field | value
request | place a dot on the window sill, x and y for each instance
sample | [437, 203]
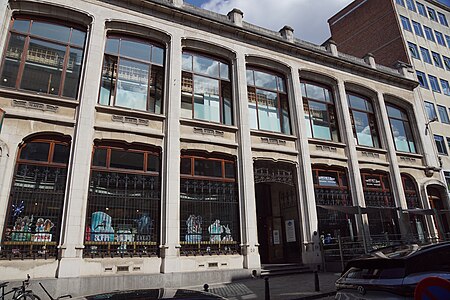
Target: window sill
[44, 98]
[407, 154]
[283, 136]
[218, 126]
[370, 149]
[129, 112]
[328, 143]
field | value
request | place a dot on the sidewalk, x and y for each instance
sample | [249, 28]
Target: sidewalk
[287, 287]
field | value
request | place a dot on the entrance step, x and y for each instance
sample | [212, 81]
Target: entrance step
[283, 269]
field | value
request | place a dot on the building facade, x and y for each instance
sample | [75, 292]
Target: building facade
[415, 32]
[146, 142]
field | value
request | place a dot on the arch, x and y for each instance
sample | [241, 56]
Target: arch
[320, 77]
[361, 89]
[203, 46]
[51, 11]
[125, 27]
[399, 102]
[277, 66]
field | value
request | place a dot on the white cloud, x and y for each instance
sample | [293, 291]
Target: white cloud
[307, 17]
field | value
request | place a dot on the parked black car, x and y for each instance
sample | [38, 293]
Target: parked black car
[151, 294]
[393, 272]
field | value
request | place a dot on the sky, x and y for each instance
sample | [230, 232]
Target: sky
[308, 18]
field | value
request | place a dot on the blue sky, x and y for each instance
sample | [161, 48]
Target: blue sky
[307, 17]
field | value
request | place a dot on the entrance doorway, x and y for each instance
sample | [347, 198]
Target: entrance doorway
[277, 212]
[436, 195]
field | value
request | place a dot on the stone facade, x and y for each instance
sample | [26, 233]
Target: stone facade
[178, 27]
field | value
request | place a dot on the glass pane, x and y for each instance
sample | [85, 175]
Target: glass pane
[36, 151]
[356, 102]
[132, 85]
[206, 66]
[252, 108]
[112, 45]
[152, 163]
[281, 84]
[157, 55]
[250, 78]
[185, 166]
[187, 62]
[224, 71]
[209, 168]
[21, 25]
[393, 112]
[307, 120]
[409, 136]
[61, 154]
[186, 95]
[73, 73]
[12, 60]
[43, 67]
[268, 111]
[99, 159]
[127, 160]
[320, 122]
[156, 89]
[206, 99]
[362, 128]
[265, 80]
[229, 170]
[135, 49]
[107, 87]
[315, 92]
[227, 105]
[51, 31]
[399, 133]
[78, 37]
[285, 114]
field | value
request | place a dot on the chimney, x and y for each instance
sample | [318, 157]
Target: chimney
[287, 33]
[332, 47]
[370, 60]
[236, 16]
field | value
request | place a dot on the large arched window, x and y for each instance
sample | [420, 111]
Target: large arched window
[332, 193]
[209, 205]
[381, 205]
[416, 219]
[33, 219]
[267, 101]
[123, 212]
[363, 121]
[206, 89]
[401, 129]
[133, 74]
[43, 56]
[320, 113]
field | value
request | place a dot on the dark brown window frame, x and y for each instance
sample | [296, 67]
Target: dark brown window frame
[199, 157]
[278, 92]
[28, 37]
[220, 79]
[132, 38]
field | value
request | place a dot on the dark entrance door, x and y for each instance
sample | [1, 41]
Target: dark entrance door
[277, 213]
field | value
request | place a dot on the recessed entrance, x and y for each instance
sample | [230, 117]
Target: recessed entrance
[277, 212]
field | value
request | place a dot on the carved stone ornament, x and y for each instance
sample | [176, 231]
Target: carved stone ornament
[206, 131]
[35, 105]
[129, 120]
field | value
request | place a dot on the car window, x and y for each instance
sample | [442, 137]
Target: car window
[378, 273]
[392, 273]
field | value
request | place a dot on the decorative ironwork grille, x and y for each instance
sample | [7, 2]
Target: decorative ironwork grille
[123, 215]
[209, 209]
[33, 220]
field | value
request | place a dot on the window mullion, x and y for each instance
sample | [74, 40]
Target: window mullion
[64, 70]
[22, 62]
[117, 66]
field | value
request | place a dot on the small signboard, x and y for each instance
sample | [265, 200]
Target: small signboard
[276, 237]
[290, 231]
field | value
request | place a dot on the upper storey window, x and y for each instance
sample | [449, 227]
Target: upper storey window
[267, 101]
[432, 14]
[43, 57]
[320, 113]
[442, 19]
[401, 129]
[206, 89]
[133, 74]
[421, 9]
[363, 121]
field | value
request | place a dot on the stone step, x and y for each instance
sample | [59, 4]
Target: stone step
[284, 269]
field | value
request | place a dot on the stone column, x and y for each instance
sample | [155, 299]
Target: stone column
[354, 174]
[74, 213]
[396, 180]
[245, 165]
[170, 233]
[308, 211]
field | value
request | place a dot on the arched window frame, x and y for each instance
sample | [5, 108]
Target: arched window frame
[282, 107]
[34, 215]
[411, 192]
[154, 96]
[25, 53]
[131, 206]
[369, 112]
[188, 88]
[332, 122]
[404, 119]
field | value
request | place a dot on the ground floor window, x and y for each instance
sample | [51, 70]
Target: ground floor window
[33, 218]
[332, 193]
[209, 205]
[123, 212]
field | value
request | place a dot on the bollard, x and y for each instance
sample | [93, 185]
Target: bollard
[316, 281]
[206, 287]
[267, 289]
